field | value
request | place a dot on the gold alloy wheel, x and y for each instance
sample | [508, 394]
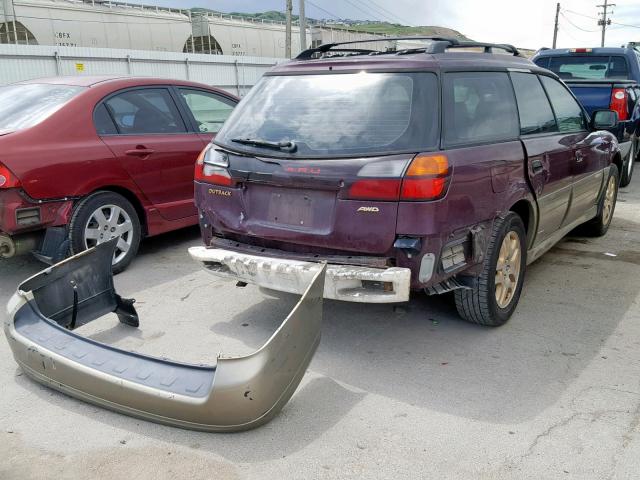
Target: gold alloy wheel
[508, 269]
[609, 201]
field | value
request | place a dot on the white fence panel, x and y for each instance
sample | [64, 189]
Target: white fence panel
[25, 62]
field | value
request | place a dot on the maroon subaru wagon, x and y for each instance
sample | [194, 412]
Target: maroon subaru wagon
[428, 169]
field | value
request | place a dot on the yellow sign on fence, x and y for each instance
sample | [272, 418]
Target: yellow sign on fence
[79, 67]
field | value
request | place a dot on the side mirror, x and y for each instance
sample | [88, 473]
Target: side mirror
[603, 119]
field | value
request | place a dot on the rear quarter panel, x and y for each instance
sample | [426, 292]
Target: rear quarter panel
[486, 181]
[63, 156]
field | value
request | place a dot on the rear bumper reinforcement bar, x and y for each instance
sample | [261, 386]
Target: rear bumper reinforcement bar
[349, 283]
[236, 394]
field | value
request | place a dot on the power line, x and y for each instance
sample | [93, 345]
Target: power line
[626, 25]
[595, 18]
[382, 16]
[402, 21]
[323, 10]
[576, 26]
[368, 14]
[388, 16]
[564, 30]
[580, 14]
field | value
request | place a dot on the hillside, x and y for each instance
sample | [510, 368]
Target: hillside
[383, 28]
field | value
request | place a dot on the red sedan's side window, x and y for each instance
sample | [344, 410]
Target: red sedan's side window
[141, 111]
[210, 111]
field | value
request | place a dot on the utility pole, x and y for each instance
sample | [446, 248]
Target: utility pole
[287, 48]
[604, 21]
[555, 28]
[303, 27]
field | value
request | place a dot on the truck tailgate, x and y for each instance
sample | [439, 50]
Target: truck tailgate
[593, 96]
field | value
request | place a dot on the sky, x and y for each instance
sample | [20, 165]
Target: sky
[526, 24]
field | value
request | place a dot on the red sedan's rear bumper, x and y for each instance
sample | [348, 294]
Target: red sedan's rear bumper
[19, 213]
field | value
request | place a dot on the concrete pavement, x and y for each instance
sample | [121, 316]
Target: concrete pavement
[393, 392]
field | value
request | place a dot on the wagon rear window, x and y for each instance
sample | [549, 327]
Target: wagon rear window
[338, 114]
[23, 106]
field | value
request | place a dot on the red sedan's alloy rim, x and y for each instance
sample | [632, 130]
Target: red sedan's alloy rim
[107, 222]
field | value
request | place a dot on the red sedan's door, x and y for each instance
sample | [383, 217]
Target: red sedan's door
[155, 146]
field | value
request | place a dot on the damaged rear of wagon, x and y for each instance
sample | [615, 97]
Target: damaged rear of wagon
[409, 169]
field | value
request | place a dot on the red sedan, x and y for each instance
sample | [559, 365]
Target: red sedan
[85, 159]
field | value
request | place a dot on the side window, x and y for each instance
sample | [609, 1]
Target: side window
[209, 110]
[535, 112]
[543, 62]
[567, 110]
[103, 122]
[144, 111]
[479, 107]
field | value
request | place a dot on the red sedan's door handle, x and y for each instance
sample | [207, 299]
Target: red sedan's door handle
[139, 151]
[579, 156]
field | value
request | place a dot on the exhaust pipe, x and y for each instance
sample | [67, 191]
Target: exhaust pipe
[18, 244]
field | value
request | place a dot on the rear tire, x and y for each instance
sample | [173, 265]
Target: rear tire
[495, 295]
[102, 216]
[627, 173]
[600, 224]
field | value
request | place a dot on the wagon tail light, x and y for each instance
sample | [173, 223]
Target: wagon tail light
[7, 178]
[619, 102]
[211, 167]
[426, 178]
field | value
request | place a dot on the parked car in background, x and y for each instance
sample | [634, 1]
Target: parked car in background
[84, 159]
[604, 78]
[418, 169]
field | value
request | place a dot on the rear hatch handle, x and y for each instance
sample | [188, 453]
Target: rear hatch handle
[238, 393]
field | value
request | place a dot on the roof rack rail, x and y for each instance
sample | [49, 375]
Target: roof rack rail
[437, 45]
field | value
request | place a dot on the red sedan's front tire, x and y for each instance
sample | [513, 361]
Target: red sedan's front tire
[102, 216]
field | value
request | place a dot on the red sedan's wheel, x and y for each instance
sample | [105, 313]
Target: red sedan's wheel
[101, 217]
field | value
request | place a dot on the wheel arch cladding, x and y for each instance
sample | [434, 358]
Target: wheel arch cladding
[617, 161]
[525, 210]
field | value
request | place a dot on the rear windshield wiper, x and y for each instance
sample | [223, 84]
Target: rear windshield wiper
[287, 146]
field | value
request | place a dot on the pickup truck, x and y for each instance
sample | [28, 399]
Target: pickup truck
[604, 78]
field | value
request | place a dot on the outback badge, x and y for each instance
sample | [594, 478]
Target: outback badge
[217, 191]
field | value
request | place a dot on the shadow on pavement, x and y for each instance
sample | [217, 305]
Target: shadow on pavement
[424, 355]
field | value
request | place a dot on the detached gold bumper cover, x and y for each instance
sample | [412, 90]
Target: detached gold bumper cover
[236, 394]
